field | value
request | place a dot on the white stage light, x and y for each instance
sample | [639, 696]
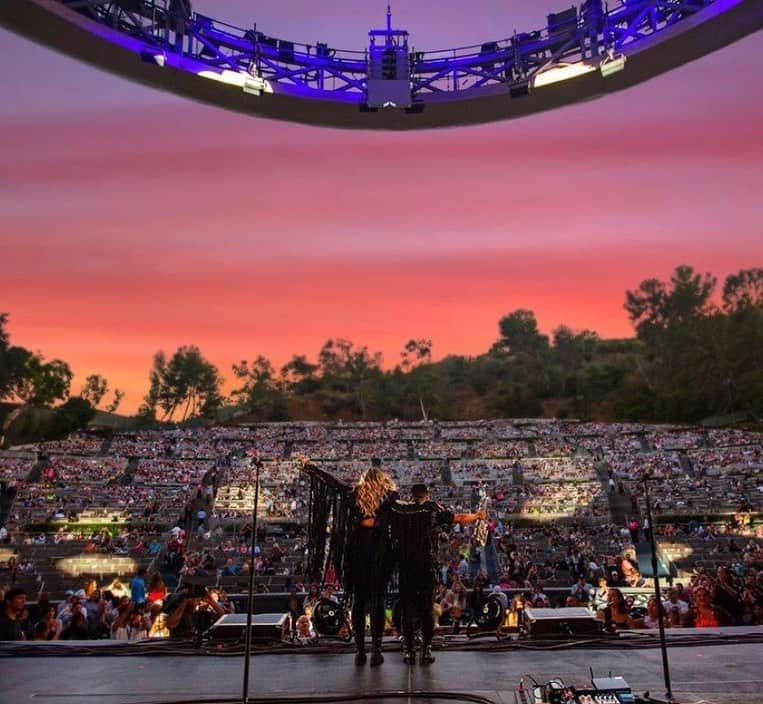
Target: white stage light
[561, 72]
[612, 64]
[255, 85]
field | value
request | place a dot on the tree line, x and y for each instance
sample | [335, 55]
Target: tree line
[690, 358]
[35, 394]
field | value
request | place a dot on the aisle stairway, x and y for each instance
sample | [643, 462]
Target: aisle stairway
[619, 504]
[105, 449]
[619, 507]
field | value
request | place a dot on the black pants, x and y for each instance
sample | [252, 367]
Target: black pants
[366, 600]
[419, 605]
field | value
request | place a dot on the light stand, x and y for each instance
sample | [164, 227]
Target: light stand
[250, 601]
[655, 574]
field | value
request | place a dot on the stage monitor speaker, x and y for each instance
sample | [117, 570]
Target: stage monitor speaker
[231, 628]
[560, 622]
[491, 615]
[328, 618]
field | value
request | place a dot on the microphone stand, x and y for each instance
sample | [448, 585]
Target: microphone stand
[655, 574]
[250, 601]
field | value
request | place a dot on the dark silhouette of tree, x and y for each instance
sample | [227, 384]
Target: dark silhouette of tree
[116, 401]
[417, 355]
[299, 375]
[527, 375]
[519, 334]
[94, 389]
[183, 387]
[695, 355]
[261, 392]
[654, 306]
[570, 352]
[22, 373]
[70, 416]
[348, 375]
[42, 382]
[415, 352]
[690, 359]
[5, 362]
[743, 290]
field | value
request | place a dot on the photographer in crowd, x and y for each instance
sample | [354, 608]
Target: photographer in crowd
[191, 611]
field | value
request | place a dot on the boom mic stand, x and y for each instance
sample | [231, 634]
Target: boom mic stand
[655, 573]
[250, 601]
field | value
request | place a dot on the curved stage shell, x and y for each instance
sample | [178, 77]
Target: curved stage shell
[581, 54]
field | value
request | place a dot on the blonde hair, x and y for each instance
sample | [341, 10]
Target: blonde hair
[373, 486]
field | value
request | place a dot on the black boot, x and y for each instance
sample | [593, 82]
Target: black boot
[360, 651]
[426, 655]
[376, 654]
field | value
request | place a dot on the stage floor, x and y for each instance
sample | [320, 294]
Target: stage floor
[717, 674]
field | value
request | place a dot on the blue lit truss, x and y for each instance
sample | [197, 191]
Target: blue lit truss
[582, 53]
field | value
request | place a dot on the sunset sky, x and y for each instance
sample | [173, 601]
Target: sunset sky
[133, 221]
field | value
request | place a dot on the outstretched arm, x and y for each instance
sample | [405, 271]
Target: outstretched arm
[464, 518]
[312, 469]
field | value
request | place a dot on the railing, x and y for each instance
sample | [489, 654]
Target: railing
[572, 36]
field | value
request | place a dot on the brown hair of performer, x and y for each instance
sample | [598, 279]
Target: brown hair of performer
[373, 487]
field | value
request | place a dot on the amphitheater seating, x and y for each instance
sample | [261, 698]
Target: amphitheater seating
[533, 470]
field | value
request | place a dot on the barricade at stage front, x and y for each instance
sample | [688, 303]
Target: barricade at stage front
[559, 622]
[231, 628]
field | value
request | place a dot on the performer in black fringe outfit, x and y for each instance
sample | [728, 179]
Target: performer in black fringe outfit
[414, 527]
[360, 545]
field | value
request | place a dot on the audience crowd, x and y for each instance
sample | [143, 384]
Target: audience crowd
[178, 505]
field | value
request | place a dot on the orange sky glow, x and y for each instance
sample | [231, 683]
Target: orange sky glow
[131, 223]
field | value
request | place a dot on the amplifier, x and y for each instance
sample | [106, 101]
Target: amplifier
[231, 628]
[566, 621]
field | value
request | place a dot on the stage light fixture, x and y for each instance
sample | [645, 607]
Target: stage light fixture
[151, 57]
[612, 64]
[561, 72]
[241, 79]
[255, 85]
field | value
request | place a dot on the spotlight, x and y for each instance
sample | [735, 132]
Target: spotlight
[561, 72]
[255, 85]
[612, 64]
[151, 57]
